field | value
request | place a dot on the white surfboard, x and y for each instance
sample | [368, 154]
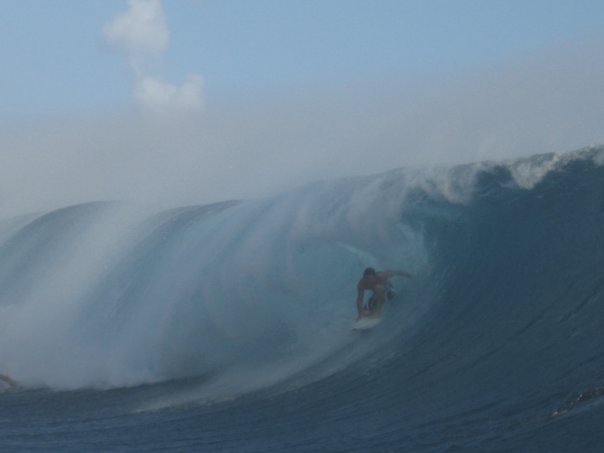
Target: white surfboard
[366, 323]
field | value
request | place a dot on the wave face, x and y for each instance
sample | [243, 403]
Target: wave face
[239, 313]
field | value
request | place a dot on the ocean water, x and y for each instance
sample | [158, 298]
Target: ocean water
[228, 327]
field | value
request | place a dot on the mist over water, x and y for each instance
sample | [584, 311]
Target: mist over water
[261, 146]
[112, 294]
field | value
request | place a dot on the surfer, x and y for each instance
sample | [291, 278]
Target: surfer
[381, 288]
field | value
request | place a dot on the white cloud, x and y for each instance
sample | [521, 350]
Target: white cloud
[141, 33]
[159, 96]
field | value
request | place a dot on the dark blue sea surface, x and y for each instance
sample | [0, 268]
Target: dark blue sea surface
[228, 327]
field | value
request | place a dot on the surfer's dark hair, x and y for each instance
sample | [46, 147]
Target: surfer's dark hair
[369, 271]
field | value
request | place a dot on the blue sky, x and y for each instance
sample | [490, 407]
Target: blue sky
[55, 58]
[194, 101]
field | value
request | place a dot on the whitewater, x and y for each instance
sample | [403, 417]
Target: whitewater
[227, 327]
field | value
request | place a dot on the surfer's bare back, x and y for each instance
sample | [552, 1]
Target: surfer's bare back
[378, 283]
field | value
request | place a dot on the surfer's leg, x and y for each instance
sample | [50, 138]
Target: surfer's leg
[379, 297]
[371, 303]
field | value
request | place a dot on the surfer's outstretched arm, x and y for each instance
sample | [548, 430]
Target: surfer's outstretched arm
[388, 274]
